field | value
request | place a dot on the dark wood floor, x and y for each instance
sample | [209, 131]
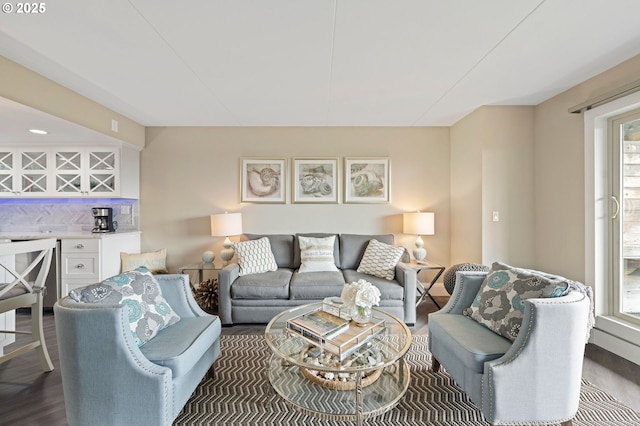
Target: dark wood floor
[30, 397]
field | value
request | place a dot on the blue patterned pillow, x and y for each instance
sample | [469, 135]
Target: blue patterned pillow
[499, 304]
[149, 312]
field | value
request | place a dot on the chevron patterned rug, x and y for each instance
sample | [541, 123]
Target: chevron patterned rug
[240, 394]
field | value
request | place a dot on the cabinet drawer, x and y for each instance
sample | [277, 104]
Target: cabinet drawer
[80, 245]
[80, 266]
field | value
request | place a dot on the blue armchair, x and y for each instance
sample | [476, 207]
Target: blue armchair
[533, 380]
[108, 380]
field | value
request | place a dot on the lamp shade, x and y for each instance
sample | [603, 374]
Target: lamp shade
[420, 223]
[223, 225]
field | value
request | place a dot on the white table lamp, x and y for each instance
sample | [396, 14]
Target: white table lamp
[420, 223]
[224, 225]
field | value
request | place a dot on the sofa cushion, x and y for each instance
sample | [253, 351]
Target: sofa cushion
[316, 285]
[180, 346]
[499, 304]
[353, 246]
[255, 256]
[296, 248]
[282, 246]
[467, 340]
[389, 290]
[148, 310]
[266, 285]
[316, 254]
[380, 259]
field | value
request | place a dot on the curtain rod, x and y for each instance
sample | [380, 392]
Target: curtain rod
[625, 90]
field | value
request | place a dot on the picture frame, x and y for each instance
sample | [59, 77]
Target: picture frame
[315, 180]
[263, 180]
[367, 180]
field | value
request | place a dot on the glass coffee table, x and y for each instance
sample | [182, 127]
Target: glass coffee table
[360, 390]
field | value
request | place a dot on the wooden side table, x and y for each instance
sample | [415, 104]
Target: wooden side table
[424, 288]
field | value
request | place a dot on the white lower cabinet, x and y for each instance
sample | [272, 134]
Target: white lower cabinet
[87, 261]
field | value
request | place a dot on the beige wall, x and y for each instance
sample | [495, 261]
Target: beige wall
[466, 190]
[492, 170]
[190, 173]
[559, 171]
[28, 88]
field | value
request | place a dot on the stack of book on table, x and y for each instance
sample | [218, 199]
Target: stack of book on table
[337, 335]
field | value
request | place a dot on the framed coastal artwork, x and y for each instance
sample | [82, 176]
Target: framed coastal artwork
[367, 180]
[262, 180]
[315, 180]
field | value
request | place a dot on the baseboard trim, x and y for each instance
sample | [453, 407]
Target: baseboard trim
[618, 346]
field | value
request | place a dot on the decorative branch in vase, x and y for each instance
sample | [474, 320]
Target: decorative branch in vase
[360, 296]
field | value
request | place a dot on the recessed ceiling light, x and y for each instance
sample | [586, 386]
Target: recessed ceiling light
[38, 131]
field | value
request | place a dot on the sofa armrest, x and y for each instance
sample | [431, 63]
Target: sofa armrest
[408, 278]
[177, 291]
[226, 277]
[467, 285]
[101, 362]
[543, 366]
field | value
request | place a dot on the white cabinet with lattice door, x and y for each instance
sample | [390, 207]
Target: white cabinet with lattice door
[87, 172]
[25, 172]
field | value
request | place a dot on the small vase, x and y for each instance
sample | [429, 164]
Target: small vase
[361, 315]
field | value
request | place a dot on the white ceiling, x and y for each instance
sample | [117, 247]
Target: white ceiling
[322, 62]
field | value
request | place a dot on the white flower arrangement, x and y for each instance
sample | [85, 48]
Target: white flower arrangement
[361, 293]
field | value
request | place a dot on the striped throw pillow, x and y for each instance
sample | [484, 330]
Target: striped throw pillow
[316, 254]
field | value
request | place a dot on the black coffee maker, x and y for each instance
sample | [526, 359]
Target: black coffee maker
[103, 220]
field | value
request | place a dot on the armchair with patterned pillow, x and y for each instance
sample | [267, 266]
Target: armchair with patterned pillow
[513, 339]
[133, 348]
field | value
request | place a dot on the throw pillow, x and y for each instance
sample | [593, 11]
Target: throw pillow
[155, 261]
[255, 256]
[148, 310]
[316, 254]
[499, 304]
[380, 259]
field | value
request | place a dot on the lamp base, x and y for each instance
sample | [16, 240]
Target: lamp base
[227, 253]
[419, 252]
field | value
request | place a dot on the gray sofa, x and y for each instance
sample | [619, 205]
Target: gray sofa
[532, 380]
[257, 298]
[108, 380]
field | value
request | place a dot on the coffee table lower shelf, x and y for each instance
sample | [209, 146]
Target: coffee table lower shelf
[331, 404]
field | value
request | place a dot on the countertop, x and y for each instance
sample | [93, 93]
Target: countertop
[60, 235]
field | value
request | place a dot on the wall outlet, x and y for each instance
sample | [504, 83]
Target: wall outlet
[126, 209]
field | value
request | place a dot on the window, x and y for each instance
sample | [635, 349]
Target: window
[607, 264]
[624, 242]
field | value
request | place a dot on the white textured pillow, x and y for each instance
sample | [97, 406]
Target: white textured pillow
[316, 254]
[255, 256]
[380, 260]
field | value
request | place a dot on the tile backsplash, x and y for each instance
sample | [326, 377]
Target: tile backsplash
[63, 215]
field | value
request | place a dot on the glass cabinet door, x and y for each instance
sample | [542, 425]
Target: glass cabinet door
[7, 173]
[102, 172]
[68, 172]
[33, 176]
